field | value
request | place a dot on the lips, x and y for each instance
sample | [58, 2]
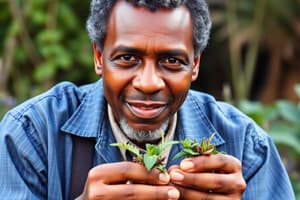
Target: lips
[146, 109]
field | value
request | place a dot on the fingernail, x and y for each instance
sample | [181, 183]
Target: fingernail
[186, 165]
[173, 194]
[164, 178]
[176, 176]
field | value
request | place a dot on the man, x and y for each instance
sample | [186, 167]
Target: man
[147, 54]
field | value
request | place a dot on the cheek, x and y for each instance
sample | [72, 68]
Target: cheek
[115, 83]
[113, 79]
[112, 92]
[179, 88]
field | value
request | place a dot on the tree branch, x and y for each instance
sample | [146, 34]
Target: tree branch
[25, 37]
[6, 63]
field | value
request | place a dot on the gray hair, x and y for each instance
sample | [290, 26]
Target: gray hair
[142, 136]
[101, 9]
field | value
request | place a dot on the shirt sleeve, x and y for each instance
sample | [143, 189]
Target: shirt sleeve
[263, 170]
[23, 172]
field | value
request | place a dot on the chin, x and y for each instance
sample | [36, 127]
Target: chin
[143, 133]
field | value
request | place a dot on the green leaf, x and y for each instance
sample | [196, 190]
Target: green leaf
[164, 145]
[285, 134]
[44, 71]
[190, 152]
[149, 161]
[49, 36]
[289, 111]
[187, 143]
[128, 147]
[161, 168]
[203, 145]
[297, 89]
[193, 148]
[210, 138]
[151, 149]
[258, 112]
[179, 155]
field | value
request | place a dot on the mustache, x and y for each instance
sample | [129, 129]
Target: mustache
[148, 97]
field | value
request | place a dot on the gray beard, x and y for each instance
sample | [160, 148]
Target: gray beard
[141, 136]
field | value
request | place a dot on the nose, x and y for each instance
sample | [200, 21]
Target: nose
[148, 79]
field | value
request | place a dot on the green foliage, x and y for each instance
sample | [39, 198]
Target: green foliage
[129, 147]
[193, 148]
[51, 45]
[151, 158]
[282, 121]
[251, 27]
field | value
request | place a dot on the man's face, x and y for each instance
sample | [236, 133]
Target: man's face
[147, 64]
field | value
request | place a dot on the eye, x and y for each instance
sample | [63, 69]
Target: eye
[126, 60]
[172, 60]
[171, 63]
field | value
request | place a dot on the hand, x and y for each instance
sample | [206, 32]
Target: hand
[110, 181]
[209, 177]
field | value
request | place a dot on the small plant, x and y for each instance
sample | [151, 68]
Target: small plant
[193, 148]
[151, 158]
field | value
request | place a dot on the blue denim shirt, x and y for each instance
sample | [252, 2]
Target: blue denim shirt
[36, 142]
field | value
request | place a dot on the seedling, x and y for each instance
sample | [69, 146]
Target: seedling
[151, 157]
[193, 148]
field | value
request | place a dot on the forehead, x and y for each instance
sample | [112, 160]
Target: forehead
[132, 22]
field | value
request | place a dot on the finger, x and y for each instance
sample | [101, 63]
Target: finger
[218, 163]
[134, 192]
[220, 183]
[189, 194]
[120, 172]
[173, 167]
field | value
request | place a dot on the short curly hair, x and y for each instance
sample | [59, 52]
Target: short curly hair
[101, 9]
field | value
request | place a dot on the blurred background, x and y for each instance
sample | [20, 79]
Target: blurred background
[252, 61]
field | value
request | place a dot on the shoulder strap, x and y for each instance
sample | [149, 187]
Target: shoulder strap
[82, 162]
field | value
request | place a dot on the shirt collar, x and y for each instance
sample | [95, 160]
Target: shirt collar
[89, 115]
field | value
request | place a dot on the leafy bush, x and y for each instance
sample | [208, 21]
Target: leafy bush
[44, 42]
[282, 121]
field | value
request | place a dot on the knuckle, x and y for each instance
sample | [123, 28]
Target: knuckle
[219, 184]
[224, 160]
[199, 161]
[240, 185]
[153, 176]
[91, 174]
[93, 194]
[129, 194]
[125, 169]
[239, 166]
[99, 193]
[230, 162]
[207, 196]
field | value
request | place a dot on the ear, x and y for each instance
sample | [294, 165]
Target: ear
[195, 69]
[97, 60]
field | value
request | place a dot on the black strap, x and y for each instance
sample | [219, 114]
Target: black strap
[82, 162]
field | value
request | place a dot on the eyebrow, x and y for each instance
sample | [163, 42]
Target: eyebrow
[126, 49]
[171, 53]
[175, 53]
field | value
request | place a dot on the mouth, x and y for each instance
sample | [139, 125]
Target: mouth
[146, 109]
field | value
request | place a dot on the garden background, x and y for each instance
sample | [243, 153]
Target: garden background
[252, 61]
